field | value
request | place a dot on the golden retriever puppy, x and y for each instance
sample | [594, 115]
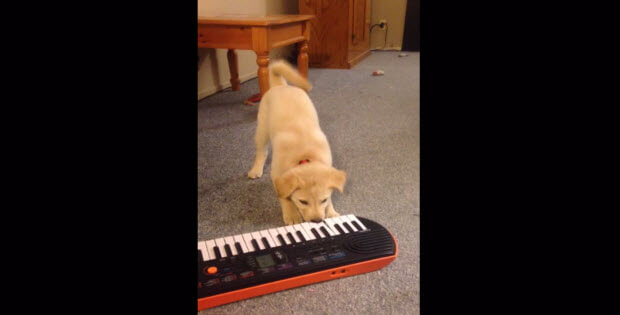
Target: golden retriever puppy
[301, 162]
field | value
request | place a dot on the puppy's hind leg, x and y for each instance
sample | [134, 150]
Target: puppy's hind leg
[261, 139]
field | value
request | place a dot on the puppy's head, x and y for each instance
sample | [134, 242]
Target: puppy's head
[309, 187]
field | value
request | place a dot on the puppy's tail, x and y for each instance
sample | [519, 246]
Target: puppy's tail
[281, 71]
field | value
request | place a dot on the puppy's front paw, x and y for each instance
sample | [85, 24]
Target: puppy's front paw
[290, 220]
[255, 173]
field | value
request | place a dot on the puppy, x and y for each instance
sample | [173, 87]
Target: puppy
[301, 162]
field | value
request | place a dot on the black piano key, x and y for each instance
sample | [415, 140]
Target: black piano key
[255, 245]
[301, 236]
[316, 234]
[290, 237]
[339, 228]
[324, 230]
[228, 250]
[281, 239]
[218, 255]
[357, 226]
[347, 226]
[239, 248]
[266, 243]
[200, 256]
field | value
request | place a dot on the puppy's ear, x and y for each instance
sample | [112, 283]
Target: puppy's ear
[286, 184]
[337, 179]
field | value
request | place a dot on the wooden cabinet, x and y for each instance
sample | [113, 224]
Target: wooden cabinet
[340, 32]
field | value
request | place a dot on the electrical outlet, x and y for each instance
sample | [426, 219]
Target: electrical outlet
[382, 24]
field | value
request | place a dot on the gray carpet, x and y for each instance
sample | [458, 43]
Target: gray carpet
[372, 124]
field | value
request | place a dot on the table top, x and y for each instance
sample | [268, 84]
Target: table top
[253, 20]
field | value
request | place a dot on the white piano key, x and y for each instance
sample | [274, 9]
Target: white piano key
[265, 234]
[290, 229]
[220, 244]
[346, 219]
[330, 223]
[203, 249]
[241, 241]
[306, 226]
[338, 221]
[229, 240]
[300, 228]
[355, 219]
[247, 237]
[210, 245]
[316, 227]
[283, 232]
[274, 237]
[257, 237]
[329, 231]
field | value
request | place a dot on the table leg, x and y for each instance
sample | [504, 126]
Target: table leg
[302, 59]
[263, 71]
[233, 65]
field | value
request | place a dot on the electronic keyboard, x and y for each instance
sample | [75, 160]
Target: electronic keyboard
[247, 265]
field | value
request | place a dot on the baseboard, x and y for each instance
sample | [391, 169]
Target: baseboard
[216, 88]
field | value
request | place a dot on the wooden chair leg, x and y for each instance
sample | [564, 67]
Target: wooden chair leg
[263, 71]
[302, 59]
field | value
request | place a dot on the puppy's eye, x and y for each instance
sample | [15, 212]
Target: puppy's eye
[323, 201]
[303, 202]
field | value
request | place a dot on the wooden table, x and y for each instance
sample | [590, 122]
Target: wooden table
[257, 33]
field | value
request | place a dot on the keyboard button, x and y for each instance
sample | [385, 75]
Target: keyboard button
[339, 224]
[347, 222]
[238, 247]
[228, 250]
[255, 245]
[265, 242]
[218, 255]
[291, 238]
[298, 227]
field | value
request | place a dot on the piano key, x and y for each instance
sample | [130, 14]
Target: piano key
[345, 219]
[306, 227]
[218, 254]
[265, 234]
[338, 223]
[257, 237]
[255, 245]
[299, 227]
[248, 242]
[283, 232]
[264, 240]
[322, 226]
[348, 226]
[228, 250]
[281, 239]
[330, 223]
[291, 238]
[210, 244]
[300, 236]
[202, 246]
[274, 237]
[220, 244]
[355, 219]
[291, 230]
[231, 242]
[339, 229]
[239, 238]
[238, 247]
[317, 228]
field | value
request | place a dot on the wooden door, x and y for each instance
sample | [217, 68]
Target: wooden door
[359, 18]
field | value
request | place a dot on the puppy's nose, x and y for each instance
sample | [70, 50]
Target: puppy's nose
[316, 220]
